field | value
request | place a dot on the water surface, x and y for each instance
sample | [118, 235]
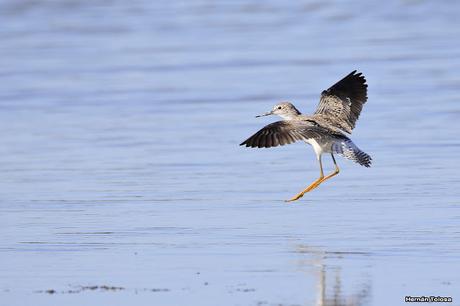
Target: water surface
[120, 123]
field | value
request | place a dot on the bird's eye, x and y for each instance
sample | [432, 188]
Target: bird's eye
[279, 107]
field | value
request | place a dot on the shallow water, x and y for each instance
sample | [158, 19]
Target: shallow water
[120, 123]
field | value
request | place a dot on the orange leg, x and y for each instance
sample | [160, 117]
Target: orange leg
[336, 171]
[318, 181]
[312, 185]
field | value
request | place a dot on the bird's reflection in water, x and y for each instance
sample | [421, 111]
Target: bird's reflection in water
[330, 288]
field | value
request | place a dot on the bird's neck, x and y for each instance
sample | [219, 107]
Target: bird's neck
[291, 116]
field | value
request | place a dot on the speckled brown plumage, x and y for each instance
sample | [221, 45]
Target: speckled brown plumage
[337, 112]
[341, 104]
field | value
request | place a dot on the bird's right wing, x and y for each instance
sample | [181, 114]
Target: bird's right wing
[341, 104]
[283, 132]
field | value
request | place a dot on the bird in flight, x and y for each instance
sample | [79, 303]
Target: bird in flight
[337, 112]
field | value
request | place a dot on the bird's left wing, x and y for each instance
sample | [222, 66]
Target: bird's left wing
[341, 104]
[283, 132]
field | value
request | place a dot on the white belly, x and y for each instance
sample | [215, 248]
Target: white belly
[316, 147]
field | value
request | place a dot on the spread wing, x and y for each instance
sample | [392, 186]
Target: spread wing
[285, 132]
[341, 104]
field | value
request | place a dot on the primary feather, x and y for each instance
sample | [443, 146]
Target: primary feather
[341, 104]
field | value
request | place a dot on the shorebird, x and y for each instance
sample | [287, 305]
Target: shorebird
[337, 112]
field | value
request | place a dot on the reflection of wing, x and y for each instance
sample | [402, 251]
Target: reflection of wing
[284, 132]
[342, 103]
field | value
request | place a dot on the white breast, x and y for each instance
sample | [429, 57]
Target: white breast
[315, 145]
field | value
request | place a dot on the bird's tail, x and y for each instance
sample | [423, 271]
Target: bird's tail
[349, 150]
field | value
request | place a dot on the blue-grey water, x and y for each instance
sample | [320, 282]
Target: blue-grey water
[120, 166]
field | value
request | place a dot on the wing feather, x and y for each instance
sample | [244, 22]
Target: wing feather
[284, 132]
[341, 104]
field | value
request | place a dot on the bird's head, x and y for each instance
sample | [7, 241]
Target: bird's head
[285, 110]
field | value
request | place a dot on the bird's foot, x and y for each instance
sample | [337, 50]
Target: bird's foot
[295, 198]
[308, 189]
